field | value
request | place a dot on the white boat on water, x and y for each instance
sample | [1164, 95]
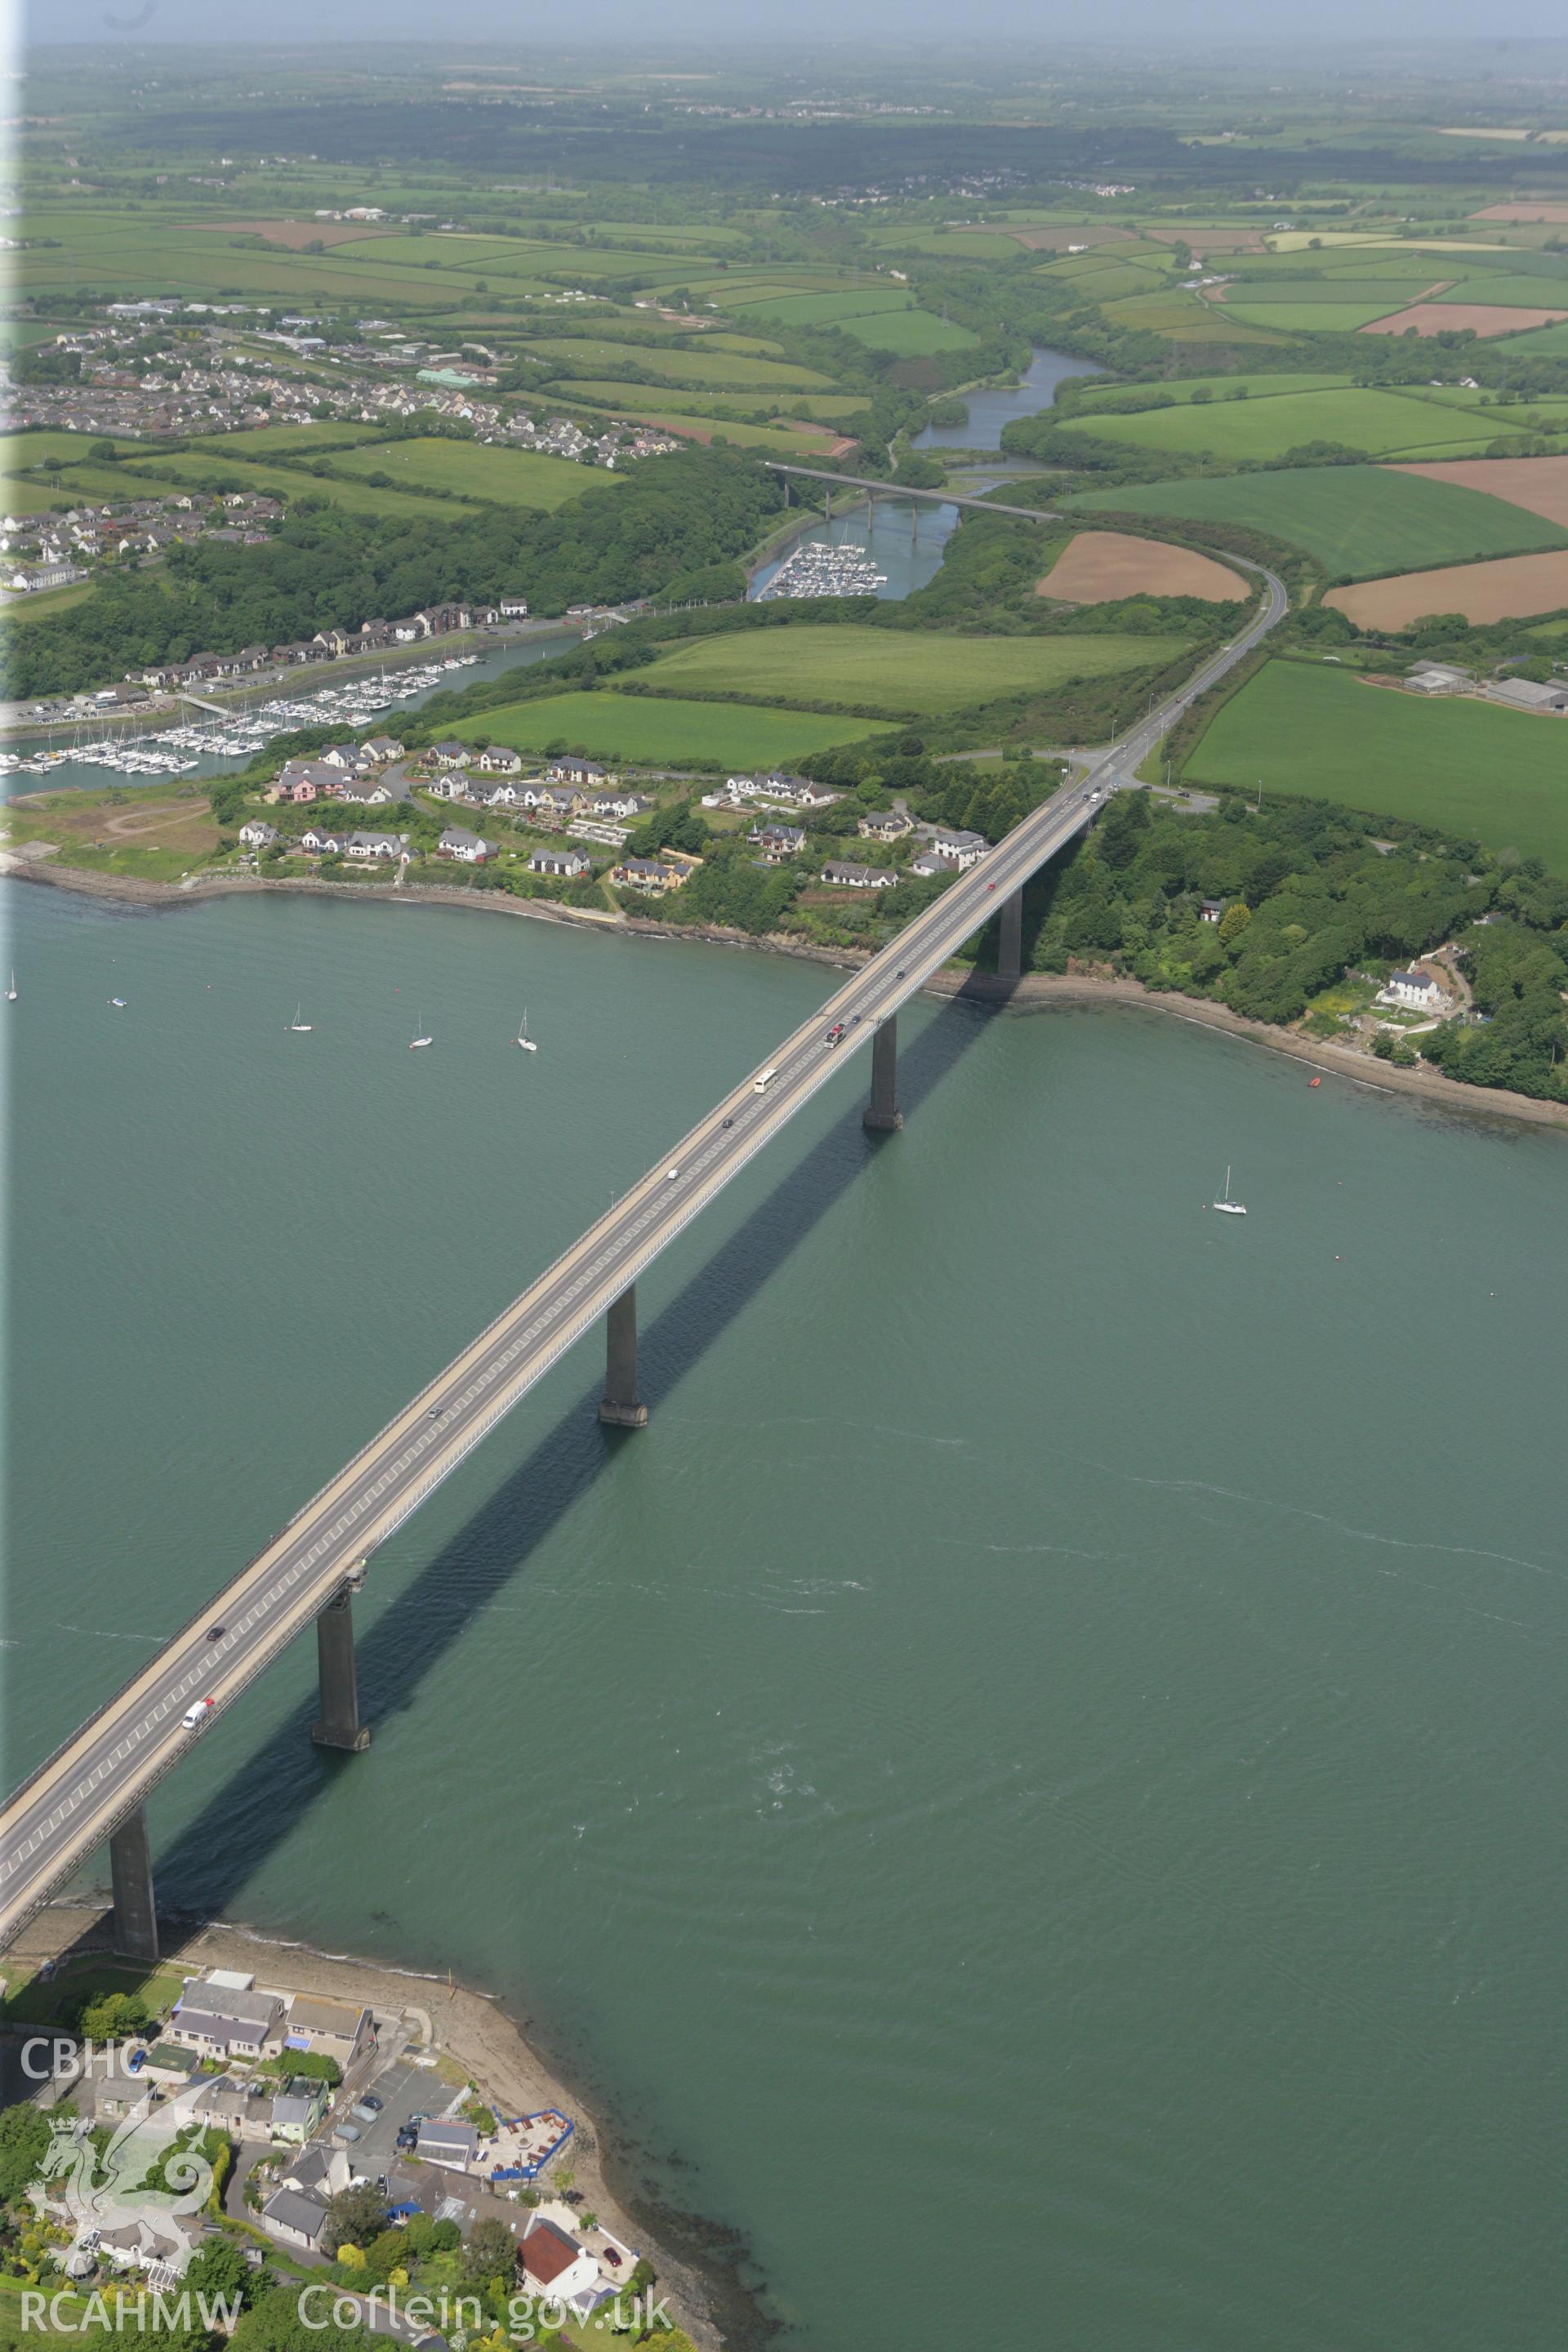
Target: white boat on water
[117, 1003]
[419, 1038]
[522, 1037]
[1225, 1204]
[11, 991]
[300, 1026]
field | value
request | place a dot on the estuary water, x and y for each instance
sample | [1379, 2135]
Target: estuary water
[1032, 1791]
[998, 404]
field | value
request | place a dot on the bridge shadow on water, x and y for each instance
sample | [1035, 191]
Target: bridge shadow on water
[258, 1806]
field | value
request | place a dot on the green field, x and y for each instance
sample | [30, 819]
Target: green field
[890, 670]
[1543, 293]
[1378, 422]
[1499, 775]
[910, 333]
[829, 310]
[48, 445]
[777, 439]
[701, 370]
[651, 732]
[1217, 387]
[519, 477]
[1359, 522]
[77, 485]
[297, 440]
[213, 473]
[1309, 317]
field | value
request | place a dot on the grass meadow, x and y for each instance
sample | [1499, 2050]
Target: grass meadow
[651, 732]
[1358, 521]
[1499, 775]
[885, 670]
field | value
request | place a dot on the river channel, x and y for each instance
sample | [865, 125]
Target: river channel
[1031, 1792]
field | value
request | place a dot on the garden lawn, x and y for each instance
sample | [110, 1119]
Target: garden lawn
[1500, 776]
[1264, 429]
[516, 478]
[652, 732]
[1357, 520]
[893, 670]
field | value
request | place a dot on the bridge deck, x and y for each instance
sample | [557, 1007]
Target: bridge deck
[66, 1809]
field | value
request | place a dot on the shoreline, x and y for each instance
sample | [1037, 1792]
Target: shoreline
[698, 2262]
[1034, 992]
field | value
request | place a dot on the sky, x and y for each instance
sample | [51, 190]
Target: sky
[1165, 22]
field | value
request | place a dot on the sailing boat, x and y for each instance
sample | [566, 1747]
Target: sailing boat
[11, 991]
[1225, 1204]
[419, 1038]
[298, 1026]
[522, 1037]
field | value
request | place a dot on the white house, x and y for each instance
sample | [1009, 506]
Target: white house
[1416, 992]
[860, 878]
[257, 834]
[571, 771]
[564, 865]
[467, 848]
[554, 2264]
[883, 824]
[450, 754]
[221, 2021]
[931, 861]
[377, 848]
[965, 849]
[499, 759]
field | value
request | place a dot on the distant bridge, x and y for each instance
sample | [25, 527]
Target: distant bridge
[901, 490]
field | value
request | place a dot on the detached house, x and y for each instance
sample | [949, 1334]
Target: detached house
[499, 759]
[566, 771]
[563, 864]
[377, 848]
[451, 753]
[257, 834]
[860, 878]
[467, 848]
[219, 2022]
[883, 824]
[777, 842]
[965, 849]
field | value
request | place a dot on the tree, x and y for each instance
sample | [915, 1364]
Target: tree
[24, 2142]
[1233, 922]
[355, 2216]
[491, 2252]
[115, 2017]
[218, 2267]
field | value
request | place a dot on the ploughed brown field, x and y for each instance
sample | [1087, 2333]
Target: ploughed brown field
[1540, 485]
[1502, 590]
[1098, 565]
[297, 235]
[1445, 318]
[1524, 212]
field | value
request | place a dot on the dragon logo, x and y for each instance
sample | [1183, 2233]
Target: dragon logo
[149, 2173]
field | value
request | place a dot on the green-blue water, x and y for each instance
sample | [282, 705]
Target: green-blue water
[1038, 1776]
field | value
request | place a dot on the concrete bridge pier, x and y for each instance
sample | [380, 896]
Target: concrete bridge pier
[1010, 937]
[620, 1407]
[135, 1925]
[339, 1724]
[883, 1116]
